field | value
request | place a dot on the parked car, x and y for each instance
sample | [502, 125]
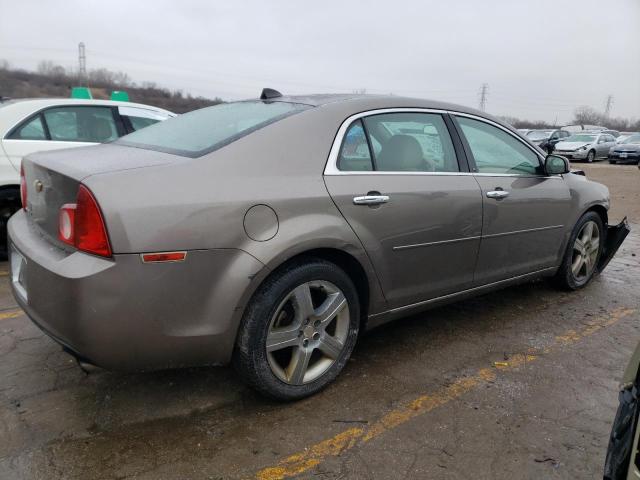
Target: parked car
[251, 232]
[587, 146]
[524, 131]
[624, 135]
[547, 139]
[32, 125]
[628, 151]
[623, 456]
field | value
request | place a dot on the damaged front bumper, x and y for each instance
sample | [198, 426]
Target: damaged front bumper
[613, 239]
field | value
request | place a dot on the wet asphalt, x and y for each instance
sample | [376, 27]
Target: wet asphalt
[520, 383]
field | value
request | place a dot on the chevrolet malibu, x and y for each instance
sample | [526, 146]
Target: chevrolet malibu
[270, 233]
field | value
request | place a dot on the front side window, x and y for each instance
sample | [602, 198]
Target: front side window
[31, 130]
[81, 124]
[202, 131]
[496, 151]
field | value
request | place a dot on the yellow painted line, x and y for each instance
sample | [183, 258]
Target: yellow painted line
[312, 456]
[4, 273]
[10, 314]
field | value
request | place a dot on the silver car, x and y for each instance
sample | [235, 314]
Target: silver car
[272, 232]
[587, 146]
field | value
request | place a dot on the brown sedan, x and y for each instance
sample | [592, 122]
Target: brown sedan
[272, 232]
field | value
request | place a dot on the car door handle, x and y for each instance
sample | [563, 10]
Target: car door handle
[497, 194]
[370, 200]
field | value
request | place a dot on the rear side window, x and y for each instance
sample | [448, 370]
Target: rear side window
[81, 124]
[354, 154]
[139, 118]
[202, 131]
[399, 142]
[31, 130]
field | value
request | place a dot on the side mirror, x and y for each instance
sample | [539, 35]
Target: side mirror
[556, 165]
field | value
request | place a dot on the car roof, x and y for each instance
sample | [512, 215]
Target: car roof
[357, 103]
[38, 103]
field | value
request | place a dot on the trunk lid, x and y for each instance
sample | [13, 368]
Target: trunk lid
[53, 178]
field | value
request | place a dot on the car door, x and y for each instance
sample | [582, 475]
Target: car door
[396, 179]
[602, 147]
[524, 211]
[611, 142]
[61, 127]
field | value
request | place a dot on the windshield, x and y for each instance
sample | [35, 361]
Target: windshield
[581, 138]
[202, 131]
[632, 139]
[539, 135]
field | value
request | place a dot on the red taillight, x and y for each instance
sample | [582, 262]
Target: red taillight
[81, 225]
[23, 187]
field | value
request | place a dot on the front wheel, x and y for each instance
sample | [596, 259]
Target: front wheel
[591, 156]
[580, 262]
[298, 331]
[612, 162]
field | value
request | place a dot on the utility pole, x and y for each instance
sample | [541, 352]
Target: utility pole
[484, 92]
[82, 63]
[608, 105]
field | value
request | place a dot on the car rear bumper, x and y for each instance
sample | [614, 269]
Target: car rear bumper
[123, 314]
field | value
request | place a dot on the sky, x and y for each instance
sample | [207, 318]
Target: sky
[540, 59]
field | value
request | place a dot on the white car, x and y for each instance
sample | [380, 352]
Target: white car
[34, 125]
[585, 146]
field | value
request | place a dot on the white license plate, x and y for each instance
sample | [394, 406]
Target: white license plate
[623, 155]
[18, 267]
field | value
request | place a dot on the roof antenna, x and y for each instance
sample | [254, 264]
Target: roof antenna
[269, 93]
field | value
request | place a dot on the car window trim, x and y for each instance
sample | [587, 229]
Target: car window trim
[331, 166]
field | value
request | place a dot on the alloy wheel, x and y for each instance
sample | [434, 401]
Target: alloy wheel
[308, 332]
[585, 251]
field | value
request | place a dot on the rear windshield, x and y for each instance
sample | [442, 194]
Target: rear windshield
[539, 135]
[202, 131]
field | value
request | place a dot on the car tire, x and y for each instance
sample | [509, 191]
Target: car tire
[10, 203]
[622, 435]
[283, 351]
[591, 156]
[580, 261]
[612, 162]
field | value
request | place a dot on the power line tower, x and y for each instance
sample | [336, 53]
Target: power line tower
[608, 105]
[484, 93]
[82, 63]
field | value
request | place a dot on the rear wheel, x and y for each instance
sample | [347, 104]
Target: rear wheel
[591, 156]
[583, 252]
[298, 331]
[612, 162]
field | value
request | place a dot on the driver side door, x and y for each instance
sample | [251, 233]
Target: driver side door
[525, 212]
